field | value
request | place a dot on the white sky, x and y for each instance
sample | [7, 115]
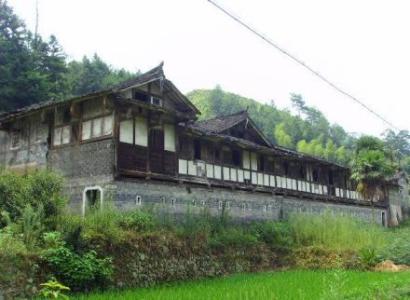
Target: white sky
[363, 46]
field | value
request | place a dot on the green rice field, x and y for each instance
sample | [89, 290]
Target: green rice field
[296, 284]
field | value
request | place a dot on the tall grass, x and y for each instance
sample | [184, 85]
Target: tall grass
[336, 232]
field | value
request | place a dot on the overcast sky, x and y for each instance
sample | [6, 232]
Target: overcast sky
[363, 46]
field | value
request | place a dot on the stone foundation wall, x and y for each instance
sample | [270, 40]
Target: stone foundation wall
[242, 205]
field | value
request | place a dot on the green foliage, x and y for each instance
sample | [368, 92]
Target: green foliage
[53, 289]
[80, 272]
[52, 239]
[30, 69]
[275, 234]
[11, 244]
[368, 257]
[309, 132]
[31, 225]
[233, 237]
[371, 165]
[90, 75]
[41, 190]
[137, 220]
[33, 70]
[335, 232]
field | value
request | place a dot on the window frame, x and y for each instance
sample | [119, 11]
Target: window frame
[61, 136]
[102, 136]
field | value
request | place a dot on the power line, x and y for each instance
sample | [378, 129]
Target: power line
[303, 64]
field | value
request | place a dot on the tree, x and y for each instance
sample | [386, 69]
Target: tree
[297, 102]
[371, 166]
[31, 70]
[281, 137]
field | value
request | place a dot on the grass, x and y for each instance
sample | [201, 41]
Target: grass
[336, 232]
[296, 284]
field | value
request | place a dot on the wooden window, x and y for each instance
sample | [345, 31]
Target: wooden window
[62, 135]
[315, 175]
[286, 168]
[261, 163]
[246, 161]
[217, 155]
[62, 115]
[169, 137]
[126, 132]
[141, 132]
[197, 149]
[227, 155]
[97, 127]
[14, 140]
[141, 96]
[254, 161]
[236, 158]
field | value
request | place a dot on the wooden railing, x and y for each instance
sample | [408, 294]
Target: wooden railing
[256, 178]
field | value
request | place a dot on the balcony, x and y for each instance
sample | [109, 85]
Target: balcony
[231, 175]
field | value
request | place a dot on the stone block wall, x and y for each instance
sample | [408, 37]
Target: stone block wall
[242, 205]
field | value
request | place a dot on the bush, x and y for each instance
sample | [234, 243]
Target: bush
[40, 189]
[233, 237]
[80, 272]
[275, 234]
[137, 220]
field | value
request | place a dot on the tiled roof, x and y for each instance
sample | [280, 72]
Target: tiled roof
[220, 123]
[154, 74]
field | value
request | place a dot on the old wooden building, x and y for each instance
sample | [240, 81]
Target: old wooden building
[140, 143]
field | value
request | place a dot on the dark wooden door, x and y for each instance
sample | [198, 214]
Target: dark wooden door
[156, 150]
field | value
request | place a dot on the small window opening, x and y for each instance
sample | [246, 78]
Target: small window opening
[138, 200]
[197, 149]
[220, 205]
[243, 206]
[383, 218]
[173, 201]
[203, 202]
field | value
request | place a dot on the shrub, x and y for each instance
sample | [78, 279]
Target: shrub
[137, 220]
[233, 237]
[368, 258]
[80, 272]
[40, 189]
[31, 224]
[53, 289]
[44, 189]
[52, 240]
[275, 234]
[10, 243]
[13, 191]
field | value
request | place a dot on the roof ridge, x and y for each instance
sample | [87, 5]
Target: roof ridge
[224, 116]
